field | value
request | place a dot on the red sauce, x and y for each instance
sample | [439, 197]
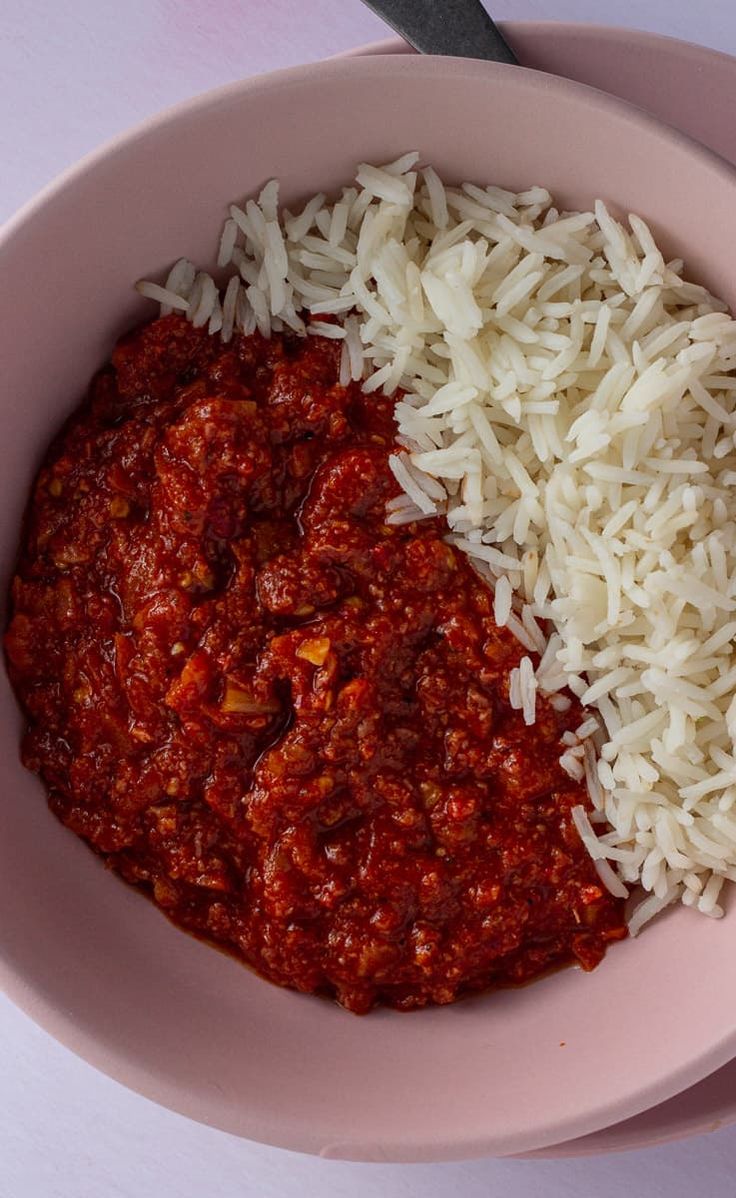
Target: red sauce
[285, 720]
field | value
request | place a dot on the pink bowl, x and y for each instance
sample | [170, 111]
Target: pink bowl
[84, 955]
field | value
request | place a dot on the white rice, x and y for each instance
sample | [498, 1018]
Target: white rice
[502, 601]
[569, 402]
[168, 300]
[528, 689]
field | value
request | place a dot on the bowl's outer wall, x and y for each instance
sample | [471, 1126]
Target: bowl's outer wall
[86, 956]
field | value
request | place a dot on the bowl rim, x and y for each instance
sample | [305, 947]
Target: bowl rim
[396, 44]
[102, 1053]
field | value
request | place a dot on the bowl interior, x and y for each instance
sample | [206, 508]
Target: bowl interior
[90, 959]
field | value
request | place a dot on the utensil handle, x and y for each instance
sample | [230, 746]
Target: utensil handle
[461, 28]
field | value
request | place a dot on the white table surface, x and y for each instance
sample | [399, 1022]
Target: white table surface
[72, 75]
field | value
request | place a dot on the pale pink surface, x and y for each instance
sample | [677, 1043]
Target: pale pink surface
[203, 1035]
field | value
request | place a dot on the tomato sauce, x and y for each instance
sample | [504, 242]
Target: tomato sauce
[286, 721]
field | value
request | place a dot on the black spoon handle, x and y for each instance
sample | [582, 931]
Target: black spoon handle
[461, 28]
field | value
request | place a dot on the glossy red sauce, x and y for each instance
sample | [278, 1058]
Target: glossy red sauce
[285, 720]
